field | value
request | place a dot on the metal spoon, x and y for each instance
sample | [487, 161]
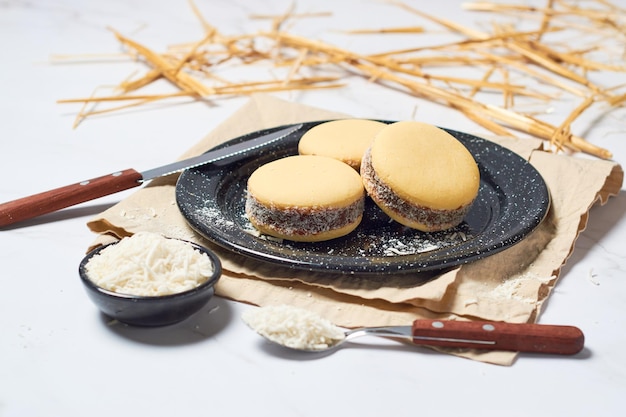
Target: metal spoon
[519, 337]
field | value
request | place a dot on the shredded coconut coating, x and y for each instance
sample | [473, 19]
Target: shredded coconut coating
[409, 214]
[303, 221]
[293, 327]
[148, 264]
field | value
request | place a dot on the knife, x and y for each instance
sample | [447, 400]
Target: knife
[49, 201]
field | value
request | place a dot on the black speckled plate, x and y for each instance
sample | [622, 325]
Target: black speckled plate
[513, 199]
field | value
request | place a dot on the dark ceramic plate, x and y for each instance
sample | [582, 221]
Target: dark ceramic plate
[513, 199]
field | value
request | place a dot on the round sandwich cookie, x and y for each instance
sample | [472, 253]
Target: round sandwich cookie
[305, 198]
[420, 175]
[344, 139]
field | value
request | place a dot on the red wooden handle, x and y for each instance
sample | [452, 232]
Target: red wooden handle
[59, 198]
[522, 337]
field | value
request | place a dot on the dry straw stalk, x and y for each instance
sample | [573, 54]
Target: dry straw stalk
[527, 57]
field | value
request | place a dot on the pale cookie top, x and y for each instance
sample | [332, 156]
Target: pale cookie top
[305, 181]
[425, 165]
[346, 139]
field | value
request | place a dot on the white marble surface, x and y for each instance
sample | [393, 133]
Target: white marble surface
[58, 356]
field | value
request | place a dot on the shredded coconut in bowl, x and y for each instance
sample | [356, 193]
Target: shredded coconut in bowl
[148, 264]
[293, 327]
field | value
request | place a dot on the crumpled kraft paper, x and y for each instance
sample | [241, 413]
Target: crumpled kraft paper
[509, 286]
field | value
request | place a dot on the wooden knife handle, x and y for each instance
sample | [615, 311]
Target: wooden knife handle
[522, 337]
[59, 198]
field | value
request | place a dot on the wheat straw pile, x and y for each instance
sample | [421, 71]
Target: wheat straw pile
[566, 43]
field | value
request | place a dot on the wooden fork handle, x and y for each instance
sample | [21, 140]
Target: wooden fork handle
[519, 337]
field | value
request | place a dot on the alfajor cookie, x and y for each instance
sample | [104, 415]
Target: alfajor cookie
[345, 139]
[420, 175]
[305, 198]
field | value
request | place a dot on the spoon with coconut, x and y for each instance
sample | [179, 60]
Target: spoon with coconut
[303, 330]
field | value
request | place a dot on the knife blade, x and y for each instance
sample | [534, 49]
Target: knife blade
[59, 198]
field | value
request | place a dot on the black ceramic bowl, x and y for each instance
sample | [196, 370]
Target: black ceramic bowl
[151, 310]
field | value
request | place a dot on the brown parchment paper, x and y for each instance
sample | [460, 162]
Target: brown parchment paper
[509, 286]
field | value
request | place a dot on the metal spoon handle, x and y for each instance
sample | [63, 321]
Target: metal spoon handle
[519, 337]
